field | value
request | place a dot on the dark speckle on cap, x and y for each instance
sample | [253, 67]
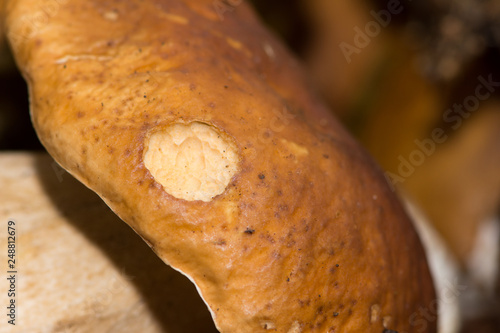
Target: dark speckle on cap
[249, 231]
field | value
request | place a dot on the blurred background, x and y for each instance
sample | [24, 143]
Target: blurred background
[418, 83]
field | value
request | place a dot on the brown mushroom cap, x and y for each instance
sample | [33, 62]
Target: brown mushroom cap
[305, 236]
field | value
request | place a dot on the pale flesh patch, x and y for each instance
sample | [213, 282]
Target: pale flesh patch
[375, 313]
[191, 161]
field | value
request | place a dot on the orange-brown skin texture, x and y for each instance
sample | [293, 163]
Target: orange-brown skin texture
[298, 242]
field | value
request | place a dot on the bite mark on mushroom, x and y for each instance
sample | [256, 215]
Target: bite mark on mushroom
[193, 161]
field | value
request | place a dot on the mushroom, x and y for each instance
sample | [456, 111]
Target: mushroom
[198, 129]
